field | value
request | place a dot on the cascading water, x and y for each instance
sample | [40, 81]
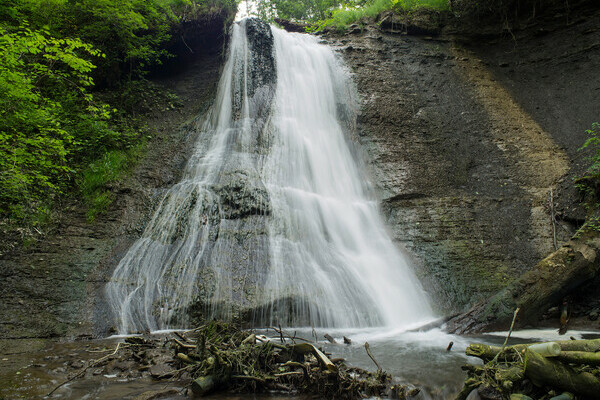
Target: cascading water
[272, 220]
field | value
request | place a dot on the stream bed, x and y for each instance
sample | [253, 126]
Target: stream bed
[30, 369]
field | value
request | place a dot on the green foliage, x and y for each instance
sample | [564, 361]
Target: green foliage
[301, 10]
[593, 143]
[339, 13]
[54, 134]
[130, 32]
[343, 17]
[589, 184]
[409, 5]
[108, 169]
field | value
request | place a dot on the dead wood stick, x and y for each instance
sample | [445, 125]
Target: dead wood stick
[171, 373]
[180, 336]
[367, 348]
[292, 338]
[329, 338]
[186, 359]
[254, 378]
[553, 219]
[250, 339]
[196, 329]
[77, 375]
[304, 348]
[512, 325]
[289, 373]
[297, 364]
[183, 345]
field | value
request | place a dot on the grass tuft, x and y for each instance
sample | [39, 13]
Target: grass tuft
[343, 18]
[109, 168]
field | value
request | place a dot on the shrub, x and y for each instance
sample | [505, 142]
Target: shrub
[341, 18]
[593, 142]
[38, 71]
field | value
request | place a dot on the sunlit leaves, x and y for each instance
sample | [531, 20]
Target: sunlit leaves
[35, 70]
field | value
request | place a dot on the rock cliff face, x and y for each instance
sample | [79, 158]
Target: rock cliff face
[466, 153]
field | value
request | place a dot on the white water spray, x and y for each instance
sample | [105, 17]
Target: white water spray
[295, 236]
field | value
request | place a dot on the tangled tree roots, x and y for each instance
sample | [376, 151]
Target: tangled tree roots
[220, 356]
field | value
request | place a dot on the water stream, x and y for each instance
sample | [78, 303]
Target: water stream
[274, 218]
[31, 369]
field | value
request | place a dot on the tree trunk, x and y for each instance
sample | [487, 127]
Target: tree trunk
[546, 372]
[579, 357]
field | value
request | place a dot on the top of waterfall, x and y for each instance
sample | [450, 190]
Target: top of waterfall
[246, 8]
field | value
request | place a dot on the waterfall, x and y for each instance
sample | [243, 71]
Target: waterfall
[273, 220]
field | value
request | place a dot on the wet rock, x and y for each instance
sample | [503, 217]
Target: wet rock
[243, 195]
[157, 394]
[474, 395]
[118, 366]
[489, 393]
[160, 371]
[291, 26]
[354, 29]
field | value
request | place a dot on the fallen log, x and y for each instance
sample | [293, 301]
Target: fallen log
[547, 372]
[548, 282]
[487, 352]
[579, 357]
[592, 345]
[368, 349]
[483, 351]
[438, 323]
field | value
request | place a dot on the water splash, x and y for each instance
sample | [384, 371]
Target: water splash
[272, 220]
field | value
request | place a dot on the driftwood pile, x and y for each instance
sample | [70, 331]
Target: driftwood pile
[220, 356]
[560, 370]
